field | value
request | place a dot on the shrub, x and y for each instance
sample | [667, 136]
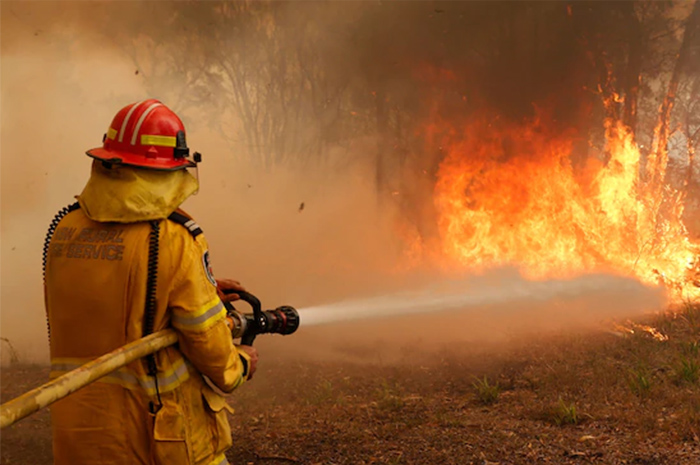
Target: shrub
[687, 370]
[389, 398]
[565, 414]
[486, 392]
[639, 381]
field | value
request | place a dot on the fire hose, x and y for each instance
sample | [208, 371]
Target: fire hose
[246, 326]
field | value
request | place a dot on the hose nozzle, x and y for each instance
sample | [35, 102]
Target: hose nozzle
[282, 320]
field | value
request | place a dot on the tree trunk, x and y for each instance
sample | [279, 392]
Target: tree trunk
[691, 133]
[691, 164]
[656, 165]
[633, 72]
[382, 116]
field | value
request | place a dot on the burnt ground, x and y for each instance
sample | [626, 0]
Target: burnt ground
[562, 399]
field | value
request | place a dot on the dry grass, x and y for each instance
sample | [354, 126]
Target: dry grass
[567, 399]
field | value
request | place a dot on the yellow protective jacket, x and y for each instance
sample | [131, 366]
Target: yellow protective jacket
[96, 279]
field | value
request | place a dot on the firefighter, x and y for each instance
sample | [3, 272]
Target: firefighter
[124, 262]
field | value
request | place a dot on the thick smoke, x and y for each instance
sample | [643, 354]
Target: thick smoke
[294, 233]
[290, 236]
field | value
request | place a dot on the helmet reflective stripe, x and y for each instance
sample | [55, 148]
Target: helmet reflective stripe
[140, 121]
[162, 141]
[111, 133]
[126, 120]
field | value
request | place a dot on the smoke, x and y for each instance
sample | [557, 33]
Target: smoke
[58, 92]
[293, 233]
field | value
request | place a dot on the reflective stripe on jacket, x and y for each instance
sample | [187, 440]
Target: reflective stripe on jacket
[95, 296]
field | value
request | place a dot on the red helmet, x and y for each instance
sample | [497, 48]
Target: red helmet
[146, 135]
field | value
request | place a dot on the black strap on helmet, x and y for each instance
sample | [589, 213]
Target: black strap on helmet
[181, 150]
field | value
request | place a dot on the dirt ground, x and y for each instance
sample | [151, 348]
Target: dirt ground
[572, 398]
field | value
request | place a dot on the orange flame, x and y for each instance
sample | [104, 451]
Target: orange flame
[631, 328]
[510, 196]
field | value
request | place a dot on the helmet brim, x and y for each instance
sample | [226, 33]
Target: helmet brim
[137, 161]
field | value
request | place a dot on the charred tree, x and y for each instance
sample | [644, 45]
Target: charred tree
[383, 145]
[656, 165]
[633, 70]
[691, 130]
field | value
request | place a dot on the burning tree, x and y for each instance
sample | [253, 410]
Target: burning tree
[508, 194]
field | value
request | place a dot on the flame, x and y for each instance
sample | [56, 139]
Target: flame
[509, 195]
[631, 328]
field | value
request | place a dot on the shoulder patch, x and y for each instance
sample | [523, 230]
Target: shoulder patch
[206, 261]
[187, 222]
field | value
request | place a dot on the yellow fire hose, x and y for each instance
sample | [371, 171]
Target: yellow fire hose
[282, 320]
[43, 396]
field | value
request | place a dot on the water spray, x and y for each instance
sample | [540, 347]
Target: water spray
[465, 296]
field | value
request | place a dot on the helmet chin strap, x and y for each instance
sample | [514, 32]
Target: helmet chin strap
[197, 158]
[196, 176]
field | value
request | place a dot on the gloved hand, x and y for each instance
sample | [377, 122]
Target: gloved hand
[225, 286]
[252, 352]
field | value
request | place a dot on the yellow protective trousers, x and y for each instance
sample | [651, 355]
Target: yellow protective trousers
[96, 280]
